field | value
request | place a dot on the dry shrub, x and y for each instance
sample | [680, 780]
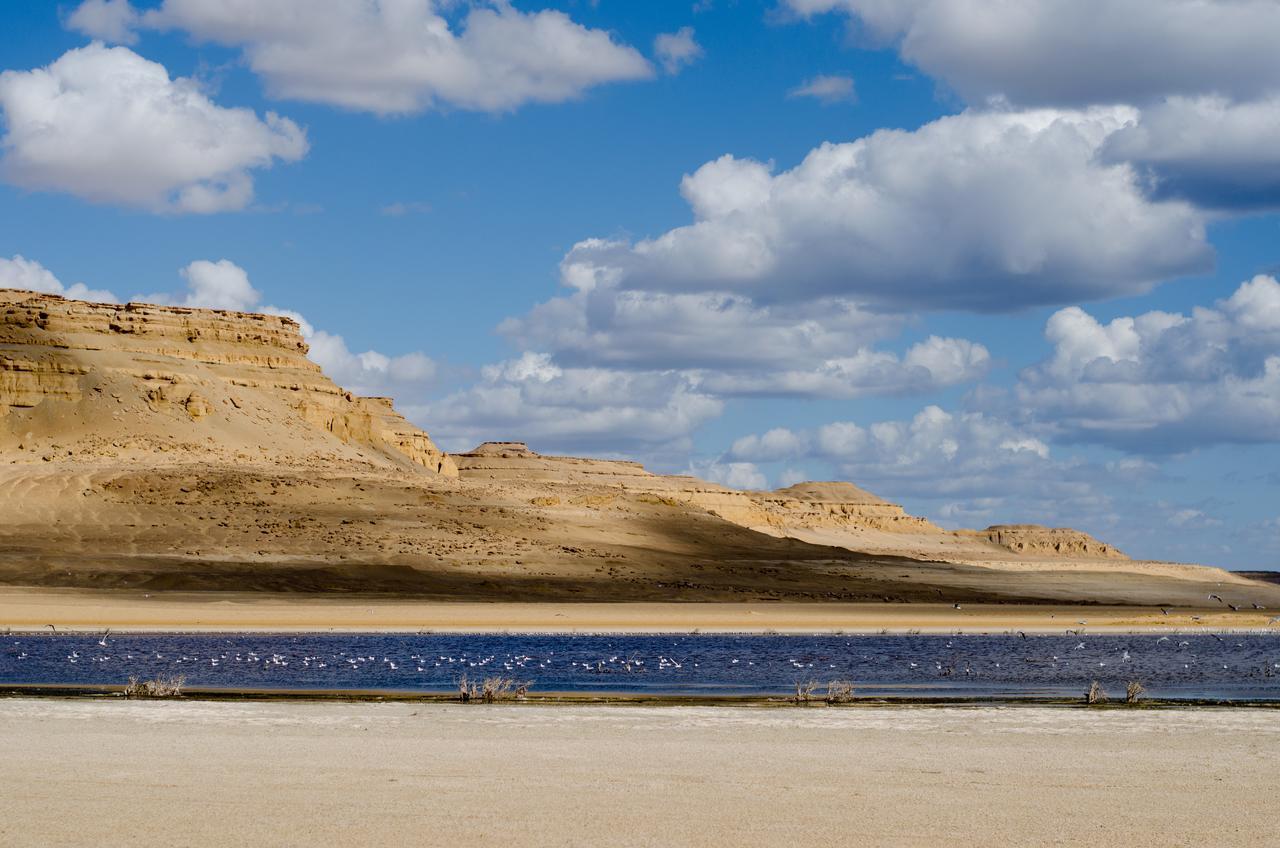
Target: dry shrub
[839, 692]
[490, 690]
[1096, 694]
[161, 687]
[1133, 692]
[546, 500]
[804, 691]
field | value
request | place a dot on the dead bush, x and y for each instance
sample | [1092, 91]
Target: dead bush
[160, 687]
[1133, 692]
[1096, 694]
[490, 690]
[839, 692]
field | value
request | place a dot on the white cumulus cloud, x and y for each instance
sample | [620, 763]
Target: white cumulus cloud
[964, 466]
[1078, 52]
[1212, 151]
[592, 410]
[1205, 74]
[108, 20]
[1161, 382]
[985, 210]
[22, 273]
[735, 475]
[405, 56]
[109, 126]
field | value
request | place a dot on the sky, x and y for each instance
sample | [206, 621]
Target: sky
[996, 261]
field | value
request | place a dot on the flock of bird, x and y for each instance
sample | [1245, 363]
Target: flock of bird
[698, 661]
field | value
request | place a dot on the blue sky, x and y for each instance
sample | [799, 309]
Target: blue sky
[998, 267]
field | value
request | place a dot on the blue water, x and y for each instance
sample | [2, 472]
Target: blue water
[1173, 666]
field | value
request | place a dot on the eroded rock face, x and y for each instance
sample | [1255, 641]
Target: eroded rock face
[111, 379]
[1036, 539]
[805, 505]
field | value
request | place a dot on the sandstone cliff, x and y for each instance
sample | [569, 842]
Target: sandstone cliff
[1033, 538]
[96, 380]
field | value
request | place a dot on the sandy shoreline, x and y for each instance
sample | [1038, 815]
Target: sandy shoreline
[173, 773]
[36, 609]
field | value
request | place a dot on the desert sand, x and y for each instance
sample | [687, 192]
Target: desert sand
[184, 773]
[36, 609]
[155, 451]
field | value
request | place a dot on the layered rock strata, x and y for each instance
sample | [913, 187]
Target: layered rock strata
[1054, 541]
[97, 378]
[806, 505]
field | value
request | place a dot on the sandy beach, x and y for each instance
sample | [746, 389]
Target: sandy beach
[178, 773]
[36, 609]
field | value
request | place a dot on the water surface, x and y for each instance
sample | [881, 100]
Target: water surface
[1227, 667]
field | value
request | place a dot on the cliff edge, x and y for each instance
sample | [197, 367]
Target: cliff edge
[111, 381]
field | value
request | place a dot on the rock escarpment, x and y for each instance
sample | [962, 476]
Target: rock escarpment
[109, 380]
[805, 505]
[1055, 541]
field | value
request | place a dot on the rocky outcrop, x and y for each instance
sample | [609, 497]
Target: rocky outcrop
[1055, 541]
[837, 505]
[231, 384]
[805, 505]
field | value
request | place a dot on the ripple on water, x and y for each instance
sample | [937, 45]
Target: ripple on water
[1243, 667]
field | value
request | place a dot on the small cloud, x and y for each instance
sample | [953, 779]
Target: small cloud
[827, 89]
[112, 21]
[791, 476]
[401, 208]
[676, 50]
[1193, 519]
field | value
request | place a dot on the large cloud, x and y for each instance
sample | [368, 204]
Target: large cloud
[107, 125]
[404, 56]
[1209, 150]
[988, 211]
[581, 409]
[961, 467]
[1078, 52]
[818, 349]
[1162, 382]
[1205, 74]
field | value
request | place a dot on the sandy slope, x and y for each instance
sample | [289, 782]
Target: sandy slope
[400, 534]
[107, 773]
[68, 609]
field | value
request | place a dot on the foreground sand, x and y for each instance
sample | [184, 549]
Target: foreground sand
[36, 609]
[170, 773]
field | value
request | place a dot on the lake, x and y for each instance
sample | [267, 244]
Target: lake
[1199, 666]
